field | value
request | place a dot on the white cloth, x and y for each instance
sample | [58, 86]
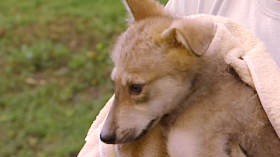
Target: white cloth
[261, 17]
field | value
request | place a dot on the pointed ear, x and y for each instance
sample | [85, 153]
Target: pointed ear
[141, 9]
[194, 34]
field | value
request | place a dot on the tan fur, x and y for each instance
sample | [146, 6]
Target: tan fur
[191, 104]
[154, 141]
[139, 9]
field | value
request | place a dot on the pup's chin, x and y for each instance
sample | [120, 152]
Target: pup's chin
[130, 136]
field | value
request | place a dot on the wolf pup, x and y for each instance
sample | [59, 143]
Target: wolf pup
[162, 77]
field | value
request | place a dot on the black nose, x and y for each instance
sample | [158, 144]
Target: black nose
[108, 138]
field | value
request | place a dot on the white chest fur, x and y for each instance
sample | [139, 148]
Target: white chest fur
[182, 144]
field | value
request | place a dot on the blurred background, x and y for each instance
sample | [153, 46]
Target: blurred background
[54, 72]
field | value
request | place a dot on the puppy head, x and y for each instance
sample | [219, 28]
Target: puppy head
[156, 60]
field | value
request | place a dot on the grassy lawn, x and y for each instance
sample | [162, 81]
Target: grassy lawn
[54, 72]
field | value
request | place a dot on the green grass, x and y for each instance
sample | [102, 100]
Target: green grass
[54, 72]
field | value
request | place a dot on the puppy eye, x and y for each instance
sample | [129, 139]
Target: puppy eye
[136, 89]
